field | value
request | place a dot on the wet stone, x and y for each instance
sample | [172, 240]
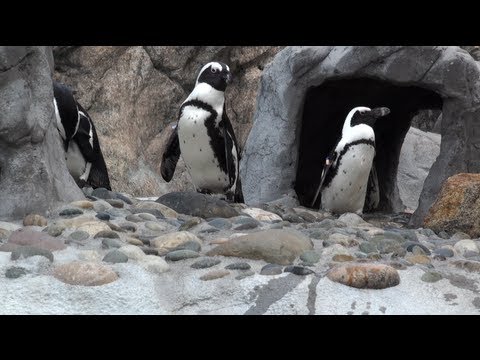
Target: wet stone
[108, 243]
[154, 226]
[15, 272]
[298, 270]
[220, 223]
[79, 235]
[238, 266]
[28, 251]
[431, 276]
[115, 257]
[244, 275]
[70, 212]
[271, 269]
[445, 252]
[189, 245]
[103, 216]
[310, 256]
[106, 234]
[181, 255]
[205, 263]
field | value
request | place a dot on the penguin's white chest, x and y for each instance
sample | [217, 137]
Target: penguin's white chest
[75, 161]
[346, 192]
[197, 152]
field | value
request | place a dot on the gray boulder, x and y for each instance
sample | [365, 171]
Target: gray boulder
[33, 174]
[306, 92]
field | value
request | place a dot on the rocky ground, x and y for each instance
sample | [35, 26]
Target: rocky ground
[188, 253]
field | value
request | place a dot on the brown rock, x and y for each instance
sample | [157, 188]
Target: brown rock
[152, 205]
[83, 204]
[85, 273]
[35, 220]
[472, 266]
[457, 207]
[365, 276]
[343, 258]
[214, 274]
[418, 259]
[274, 246]
[38, 239]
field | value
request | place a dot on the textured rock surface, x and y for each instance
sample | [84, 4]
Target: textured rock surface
[140, 89]
[85, 273]
[196, 204]
[365, 276]
[269, 164]
[33, 174]
[419, 151]
[275, 246]
[457, 207]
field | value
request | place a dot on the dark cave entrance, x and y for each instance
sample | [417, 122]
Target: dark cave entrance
[324, 112]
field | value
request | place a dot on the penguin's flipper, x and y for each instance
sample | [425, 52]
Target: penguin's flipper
[84, 139]
[170, 156]
[330, 160]
[373, 191]
[229, 142]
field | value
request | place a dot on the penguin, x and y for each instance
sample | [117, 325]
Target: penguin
[348, 169]
[204, 137]
[83, 155]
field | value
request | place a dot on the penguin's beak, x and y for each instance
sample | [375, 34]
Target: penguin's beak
[380, 112]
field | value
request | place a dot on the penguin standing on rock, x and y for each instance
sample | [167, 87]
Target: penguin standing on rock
[84, 157]
[204, 137]
[348, 168]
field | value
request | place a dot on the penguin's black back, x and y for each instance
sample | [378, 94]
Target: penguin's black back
[67, 108]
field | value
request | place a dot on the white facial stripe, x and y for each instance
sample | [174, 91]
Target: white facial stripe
[215, 65]
[228, 69]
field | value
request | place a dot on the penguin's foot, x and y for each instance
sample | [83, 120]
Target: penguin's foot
[82, 183]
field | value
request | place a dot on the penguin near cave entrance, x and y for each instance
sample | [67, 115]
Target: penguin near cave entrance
[205, 138]
[348, 170]
[83, 155]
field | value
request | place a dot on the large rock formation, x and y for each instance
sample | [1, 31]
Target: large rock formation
[306, 92]
[419, 151]
[457, 207]
[33, 173]
[133, 93]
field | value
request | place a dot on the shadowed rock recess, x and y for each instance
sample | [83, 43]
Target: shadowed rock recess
[306, 93]
[33, 173]
[133, 93]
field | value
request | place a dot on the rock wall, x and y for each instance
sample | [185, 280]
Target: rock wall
[33, 173]
[133, 93]
[443, 77]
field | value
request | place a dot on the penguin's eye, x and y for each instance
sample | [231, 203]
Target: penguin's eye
[213, 70]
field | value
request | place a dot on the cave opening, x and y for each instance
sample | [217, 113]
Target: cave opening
[325, 109]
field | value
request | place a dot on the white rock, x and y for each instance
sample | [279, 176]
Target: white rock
[262, 215]
[463, 246]
[9, 226]
[133, 252]
[101, 205]
[154, 264]
[167, 242]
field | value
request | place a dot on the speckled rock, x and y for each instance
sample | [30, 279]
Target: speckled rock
[37, 239]
[341, 239]
[342, 258]
[14, 272]
[85, 273]
[168, 242]
[55, 230]
[418, 259]
[214, 274]
[310, 256]
[472, 266]
[271, 269]
[151, 205]
[431, 276]
[275, 246]
[34, 220]
[154, 264]
[28, 251]
[190, 223]
[365, 276]
[82, 204]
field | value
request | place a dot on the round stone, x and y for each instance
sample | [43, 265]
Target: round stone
[181, 255]
[108, 243]
[34, 220]
[214, 274]
[85, 273]
[365, 276]
[128, 227]
[28, 251]
[15, 272]
[107, 234]
[79, 235]
[115, 256]
[342, 258]
[55, 230]
[298, 270]
[244, 274]
[103, 215]
[70, 212]
[431, 276]
[220, 223]
[155, 226]
[271, 269]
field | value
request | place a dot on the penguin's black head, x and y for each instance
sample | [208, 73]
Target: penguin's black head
[364, 115]
[215, 74]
